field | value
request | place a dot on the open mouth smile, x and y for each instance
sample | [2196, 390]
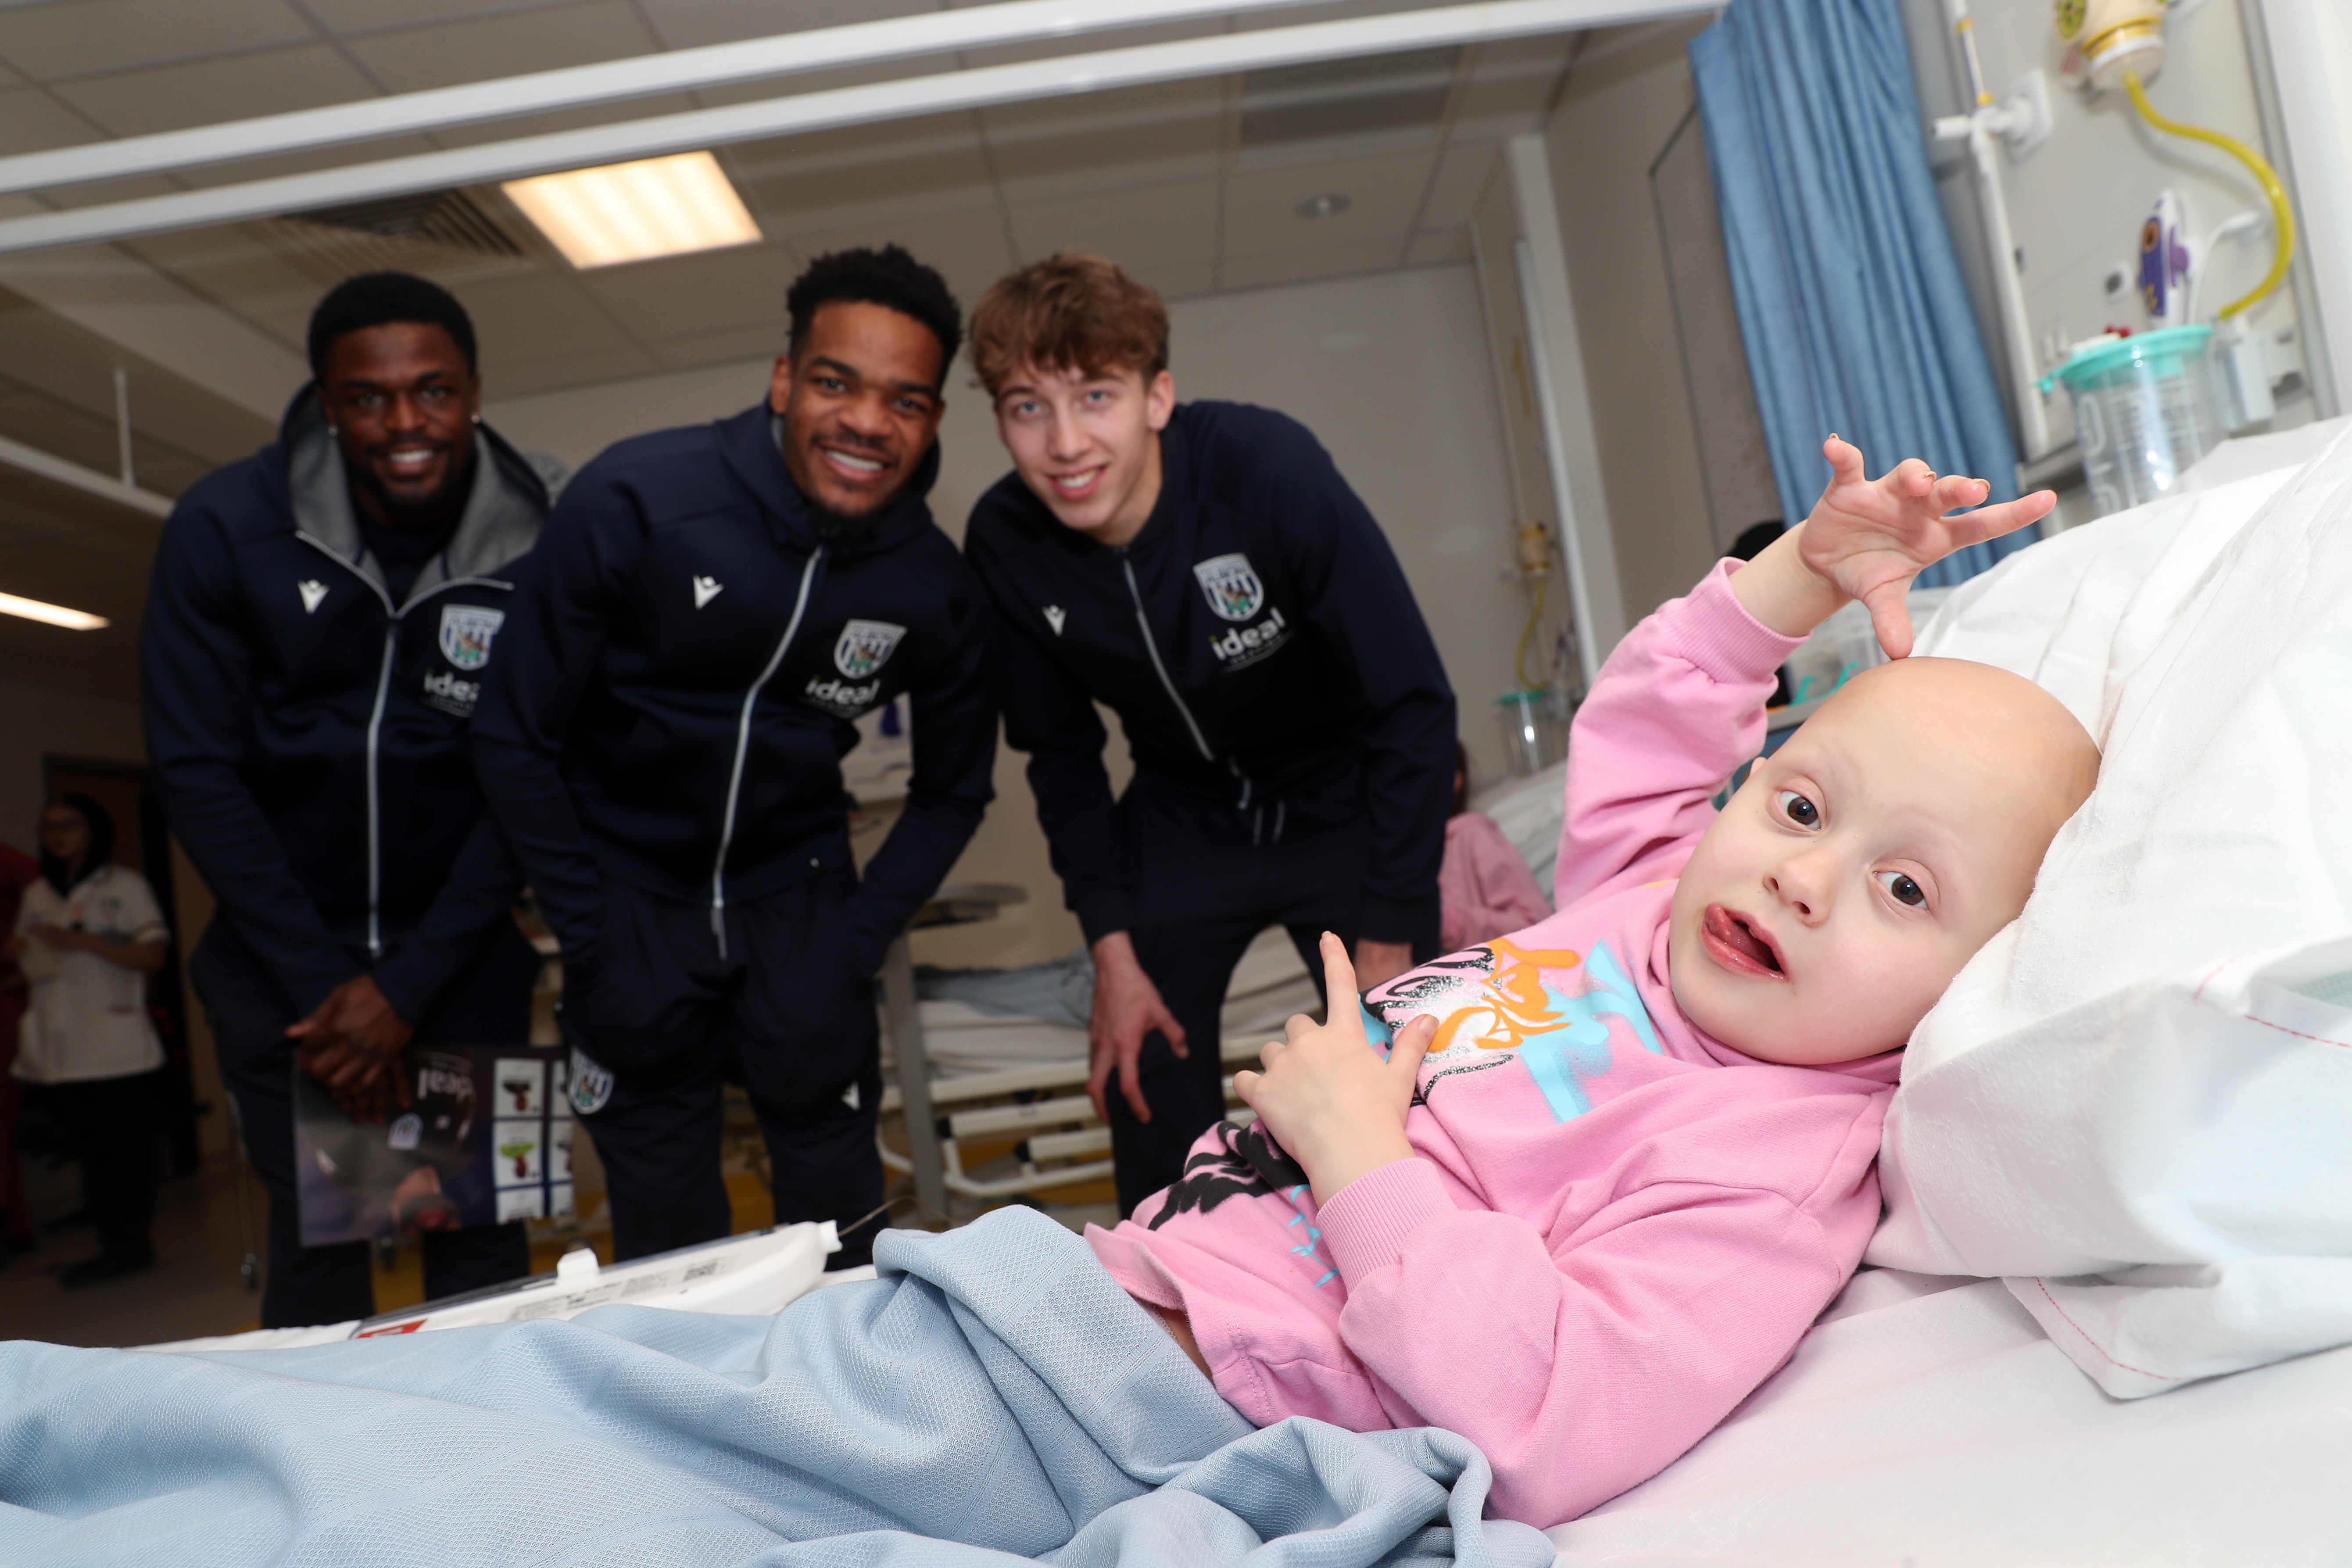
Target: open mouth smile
[1736, 944]
[409, 461]
[1078, 486]
[856, 468]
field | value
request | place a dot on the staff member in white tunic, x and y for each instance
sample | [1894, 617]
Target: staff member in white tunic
[87, 935]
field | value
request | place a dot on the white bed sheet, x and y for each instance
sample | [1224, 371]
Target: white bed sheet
[1929, 1421]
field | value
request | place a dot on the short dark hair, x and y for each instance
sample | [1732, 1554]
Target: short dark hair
[889, 277]
[377, 299]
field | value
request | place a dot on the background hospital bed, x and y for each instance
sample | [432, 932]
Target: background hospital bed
[994, 1106]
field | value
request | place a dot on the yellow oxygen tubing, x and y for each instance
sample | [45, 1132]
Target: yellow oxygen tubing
[2281, 216]
[1534, 616]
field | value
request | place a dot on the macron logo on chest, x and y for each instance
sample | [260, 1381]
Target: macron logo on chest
[1054, 616]
[707, 589]
[312, 592]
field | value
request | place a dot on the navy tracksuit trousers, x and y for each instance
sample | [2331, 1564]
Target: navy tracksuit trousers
[1207, 880]
[670, 1020]
[488, 1004]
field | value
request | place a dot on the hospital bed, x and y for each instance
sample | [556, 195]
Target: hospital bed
[1922, 1420]
[967, 1081]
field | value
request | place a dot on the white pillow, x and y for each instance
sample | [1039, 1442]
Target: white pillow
[2136, 1103]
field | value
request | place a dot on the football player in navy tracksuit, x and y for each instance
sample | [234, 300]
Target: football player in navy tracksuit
[1205, 573]
[662, 738]
[319, 621]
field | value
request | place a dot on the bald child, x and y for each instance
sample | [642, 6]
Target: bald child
[1610, 1168]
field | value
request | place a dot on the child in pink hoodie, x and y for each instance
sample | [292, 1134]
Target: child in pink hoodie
[1612, 1166]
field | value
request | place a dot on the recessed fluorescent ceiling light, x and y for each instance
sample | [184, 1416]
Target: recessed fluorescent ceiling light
[56, 615]
[634, 212]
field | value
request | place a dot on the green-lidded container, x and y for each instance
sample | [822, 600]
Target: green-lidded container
[2144, 411]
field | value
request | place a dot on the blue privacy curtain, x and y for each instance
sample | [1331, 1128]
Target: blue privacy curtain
[1850, 297]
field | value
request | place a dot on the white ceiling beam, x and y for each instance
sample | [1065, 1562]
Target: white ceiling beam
[612, 81]
[89, 482]
[1492, 21]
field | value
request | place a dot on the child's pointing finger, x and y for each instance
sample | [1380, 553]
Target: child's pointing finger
[1341, 1010]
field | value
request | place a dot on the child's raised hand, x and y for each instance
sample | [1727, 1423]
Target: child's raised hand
[1327, 1097]
[1867, 539]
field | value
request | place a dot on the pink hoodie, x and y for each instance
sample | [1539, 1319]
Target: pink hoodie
[1616, 1227]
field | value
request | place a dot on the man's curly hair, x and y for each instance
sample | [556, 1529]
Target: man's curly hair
[889, 277]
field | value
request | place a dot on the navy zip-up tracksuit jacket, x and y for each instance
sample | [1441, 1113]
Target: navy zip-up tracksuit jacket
[675, 694]
[1257, 640]
[308, 736]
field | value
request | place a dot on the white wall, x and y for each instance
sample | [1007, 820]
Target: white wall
[1388, 370]
[35, 723]
[1628, 91]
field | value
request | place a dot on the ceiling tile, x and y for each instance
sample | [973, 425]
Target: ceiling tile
[1322, 108]
[1384, 196]
[233, 266]
[738, 288]
[686, 24]
[199, 92]
[1511, 87]
[690, 351]
[969, 248]
[1107, 141]
[63, 364]
[515, 378]
[509, 45]
[50, 42]
[864, 175]
[728, 347]
[1323, 261]
[344, 18]
[1179, 282]
[1462, 173]
[536, 318]
[1441, 248]
[31, 120]
[1158, 226]
[53, 425]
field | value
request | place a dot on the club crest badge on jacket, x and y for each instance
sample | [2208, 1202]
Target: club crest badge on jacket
[864, 646]
[1232, 586]
[466, 634]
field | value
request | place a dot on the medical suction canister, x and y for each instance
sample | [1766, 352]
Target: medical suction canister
[2148, 405]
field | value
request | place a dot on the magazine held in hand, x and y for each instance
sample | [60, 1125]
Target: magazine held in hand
[483, 1135]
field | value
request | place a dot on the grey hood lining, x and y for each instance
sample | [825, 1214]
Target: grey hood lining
[500, 523]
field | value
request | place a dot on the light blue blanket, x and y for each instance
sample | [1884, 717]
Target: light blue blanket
[993, 1396]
